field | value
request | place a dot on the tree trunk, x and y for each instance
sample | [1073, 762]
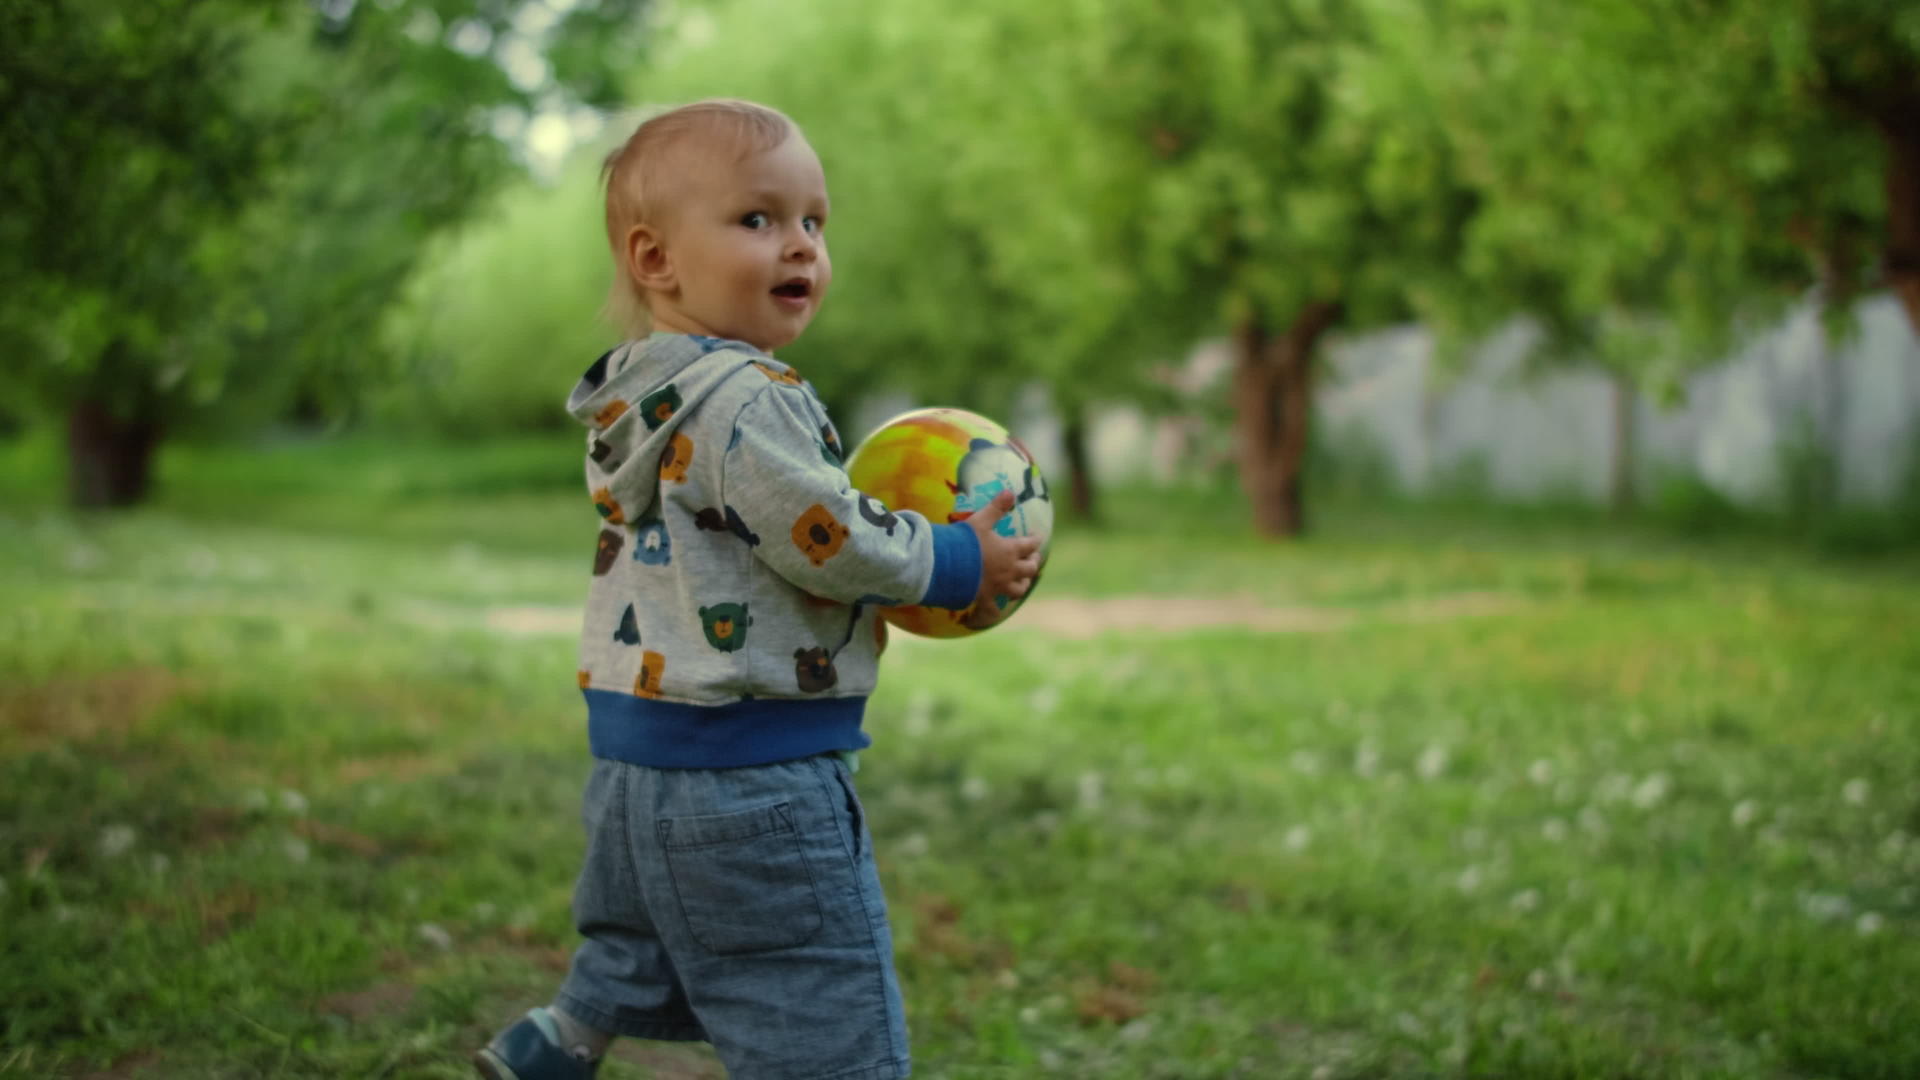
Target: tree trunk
[1073, 438]
[1273, 410]
[1902, 133]
[109, 457]
[1623, 462]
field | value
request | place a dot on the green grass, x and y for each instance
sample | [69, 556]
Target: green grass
[283, 794]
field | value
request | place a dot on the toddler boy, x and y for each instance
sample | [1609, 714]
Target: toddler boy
[731, 636]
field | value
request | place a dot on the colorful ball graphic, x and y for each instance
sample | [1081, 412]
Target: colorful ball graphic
[947, 464]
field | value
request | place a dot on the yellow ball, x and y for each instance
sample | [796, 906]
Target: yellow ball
[947, 464]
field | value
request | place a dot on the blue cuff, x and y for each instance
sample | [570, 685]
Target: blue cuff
[956, 567]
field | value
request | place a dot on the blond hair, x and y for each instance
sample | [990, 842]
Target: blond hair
[638, 178]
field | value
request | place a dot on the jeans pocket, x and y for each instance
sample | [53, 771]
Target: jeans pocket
[742, 879]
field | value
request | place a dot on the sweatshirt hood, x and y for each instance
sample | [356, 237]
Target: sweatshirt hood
[632, 400]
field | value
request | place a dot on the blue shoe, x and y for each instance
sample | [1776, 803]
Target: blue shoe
[531, 1050]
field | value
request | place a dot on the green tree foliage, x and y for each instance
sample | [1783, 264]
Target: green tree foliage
[213, 201]
[1686, 163]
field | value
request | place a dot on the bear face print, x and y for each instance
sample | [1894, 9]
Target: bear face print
[674, 462]
[611, 411]
[609, 507]
[647, 683]
[651, 544]
[726, 626]
[658, 407]
[818, 534]
[813, 668]
[607, 550]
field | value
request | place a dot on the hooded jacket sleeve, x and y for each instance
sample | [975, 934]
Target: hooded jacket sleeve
[785, 484]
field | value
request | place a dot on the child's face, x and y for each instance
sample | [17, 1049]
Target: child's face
[745, 248]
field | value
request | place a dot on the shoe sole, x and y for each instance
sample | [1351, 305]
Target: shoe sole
[490, 1066]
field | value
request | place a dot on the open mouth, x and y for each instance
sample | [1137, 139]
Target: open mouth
[797, 289]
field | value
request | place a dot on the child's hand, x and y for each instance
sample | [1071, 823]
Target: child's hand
[1007, 563]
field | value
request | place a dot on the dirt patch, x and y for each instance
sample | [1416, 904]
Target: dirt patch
[668, 1061]
[534, 620]
[1081, 617]
[134, 1064]
[82, 708]
[372, 1003]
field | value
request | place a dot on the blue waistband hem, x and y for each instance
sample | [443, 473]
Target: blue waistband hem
[756, 731]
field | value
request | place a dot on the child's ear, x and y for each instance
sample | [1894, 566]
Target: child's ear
[648, 261]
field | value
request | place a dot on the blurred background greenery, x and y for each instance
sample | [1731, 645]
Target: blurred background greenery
[236, 216]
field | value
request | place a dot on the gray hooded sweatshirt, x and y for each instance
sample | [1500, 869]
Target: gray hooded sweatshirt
[731, 618]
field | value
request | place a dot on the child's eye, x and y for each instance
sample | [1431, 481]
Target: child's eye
[812, 225]
[755, 220]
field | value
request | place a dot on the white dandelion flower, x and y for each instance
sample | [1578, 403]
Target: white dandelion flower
[1593, 821]
[1298, 838]
[1044, 700]
[1894, 844]
[1869, 923]
[914, 845]
[973, 789]
[158, 863]
[1366, 758]
[295, 849]
[1137, 1030]
[1178, 775]
[1433, 762]
[254, 799]
[1855, 792]
[1091, 790]
[1554, 830]
[1826, 907]
[919, 718]
[1651, 791]
[116, 840]
[484, 911]
[435, 935]
[1744, 813]
[1030, 1015]
[1613, 787]
[1305, 762]
[1541, 772]
[293, 802]
[84, 557]
[1473, 839]
[1468, 880]
[202, 562]
[1537, 980]
[1525, 900]
[1322, 1072]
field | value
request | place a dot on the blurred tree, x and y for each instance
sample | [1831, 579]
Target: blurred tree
[210, 202]
[1178, 170]
[1654, 179]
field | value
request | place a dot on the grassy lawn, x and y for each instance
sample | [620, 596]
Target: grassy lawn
[289, 787]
